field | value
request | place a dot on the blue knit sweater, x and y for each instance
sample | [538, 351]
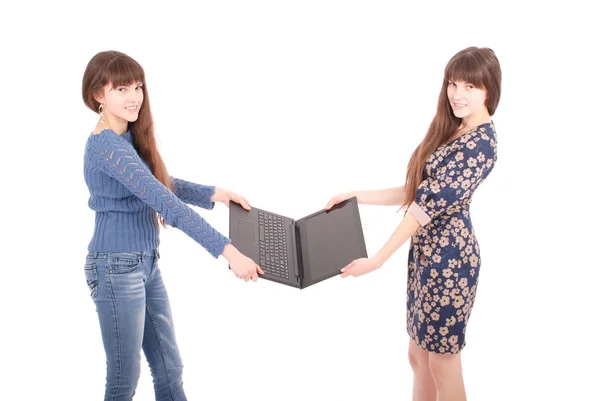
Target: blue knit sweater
[125, 196]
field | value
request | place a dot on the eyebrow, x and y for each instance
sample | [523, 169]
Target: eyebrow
[465, 82]
[125, 85]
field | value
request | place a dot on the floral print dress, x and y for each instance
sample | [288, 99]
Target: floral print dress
[444, 259]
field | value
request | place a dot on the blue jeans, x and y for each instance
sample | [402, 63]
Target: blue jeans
[134, 313]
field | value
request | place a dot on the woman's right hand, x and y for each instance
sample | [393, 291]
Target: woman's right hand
[242, 266]
[339, 198]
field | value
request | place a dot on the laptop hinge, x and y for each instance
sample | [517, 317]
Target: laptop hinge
[299, 267]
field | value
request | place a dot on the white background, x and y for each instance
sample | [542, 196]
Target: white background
[266, 98]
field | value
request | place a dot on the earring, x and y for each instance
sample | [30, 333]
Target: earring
[101, 114]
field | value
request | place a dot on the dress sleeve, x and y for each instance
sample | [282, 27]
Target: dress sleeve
[117, 158]
[193, 194]
[455, 181]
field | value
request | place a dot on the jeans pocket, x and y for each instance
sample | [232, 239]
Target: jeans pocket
[124, 262]
[91, 276]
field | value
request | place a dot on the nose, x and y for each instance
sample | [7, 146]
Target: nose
[457, 96]
[134, 96]
[458, 93]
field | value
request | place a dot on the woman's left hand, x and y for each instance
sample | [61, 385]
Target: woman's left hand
[225, 196]
[359, 267]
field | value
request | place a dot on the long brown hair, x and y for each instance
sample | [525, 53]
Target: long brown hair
[478, 66]
[116, 68]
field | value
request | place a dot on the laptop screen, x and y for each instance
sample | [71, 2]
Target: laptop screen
[330, 240]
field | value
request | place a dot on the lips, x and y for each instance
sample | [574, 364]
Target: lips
[131, 108]
[459, 105]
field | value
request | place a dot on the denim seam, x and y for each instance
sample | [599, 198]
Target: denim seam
[153, 268]
[116, 325]
[162, 352]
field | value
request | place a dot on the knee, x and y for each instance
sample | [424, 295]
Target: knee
[172, 377]
[418, 358]
[444, 366]
[122, 383]
[176, 375]
[124, 373]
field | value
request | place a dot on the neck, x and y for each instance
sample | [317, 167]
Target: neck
[118, 125]
[475, 119]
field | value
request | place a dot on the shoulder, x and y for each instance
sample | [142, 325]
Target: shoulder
[487, 134]
[100, 131]
[481, 139]
[105, 135]
[100, 140]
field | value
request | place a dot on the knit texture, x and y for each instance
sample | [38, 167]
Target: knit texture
[125, 196]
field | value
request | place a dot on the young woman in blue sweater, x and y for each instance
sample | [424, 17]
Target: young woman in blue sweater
[131, 194]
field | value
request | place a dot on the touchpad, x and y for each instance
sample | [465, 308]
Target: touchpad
[246, 231]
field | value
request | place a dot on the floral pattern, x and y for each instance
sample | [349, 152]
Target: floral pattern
[444, 260]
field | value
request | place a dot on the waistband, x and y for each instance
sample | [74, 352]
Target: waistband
[106, 255]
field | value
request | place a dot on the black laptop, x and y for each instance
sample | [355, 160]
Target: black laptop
[303, 252]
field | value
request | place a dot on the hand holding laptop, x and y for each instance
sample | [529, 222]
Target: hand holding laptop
[358, 267]
[242, 266]
[339, 198]
[225, 196]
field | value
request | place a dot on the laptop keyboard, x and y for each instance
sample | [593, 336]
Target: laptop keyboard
[273, 249]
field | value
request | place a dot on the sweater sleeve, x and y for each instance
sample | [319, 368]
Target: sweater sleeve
[117, 158]
[193, 194]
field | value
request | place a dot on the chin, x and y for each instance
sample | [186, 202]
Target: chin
[131, 119]
[461, 114]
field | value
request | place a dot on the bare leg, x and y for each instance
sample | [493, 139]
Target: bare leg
[423, 384]
[447, 373]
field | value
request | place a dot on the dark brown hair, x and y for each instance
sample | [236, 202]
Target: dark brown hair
[118, 69]
[478, 66]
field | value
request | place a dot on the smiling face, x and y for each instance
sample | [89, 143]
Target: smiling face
[466, 100]
[122, 104]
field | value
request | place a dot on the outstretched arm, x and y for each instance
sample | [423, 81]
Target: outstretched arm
[194, 194]
[407, 227]
[205, 196]
[383, 197]
[119, 160]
